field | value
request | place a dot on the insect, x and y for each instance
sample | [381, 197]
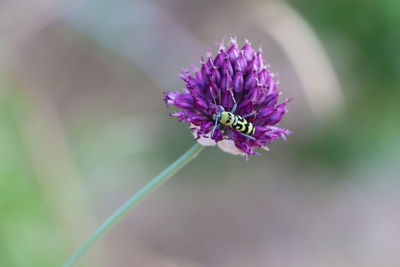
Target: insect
[235, 122]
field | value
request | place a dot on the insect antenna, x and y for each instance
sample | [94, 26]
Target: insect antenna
[216, 121]
[212, 94]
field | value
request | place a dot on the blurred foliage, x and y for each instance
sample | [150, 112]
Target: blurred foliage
[28, 235]
[362, 38]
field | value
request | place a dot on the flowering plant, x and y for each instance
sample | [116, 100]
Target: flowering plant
[235, 89]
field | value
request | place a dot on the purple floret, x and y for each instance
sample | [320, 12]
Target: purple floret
[254, 87]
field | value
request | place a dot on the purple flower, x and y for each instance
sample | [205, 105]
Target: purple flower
[234, 75]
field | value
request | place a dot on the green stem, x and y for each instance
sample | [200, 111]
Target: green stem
[145, 191]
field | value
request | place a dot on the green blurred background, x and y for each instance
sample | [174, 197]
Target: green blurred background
[83, 126]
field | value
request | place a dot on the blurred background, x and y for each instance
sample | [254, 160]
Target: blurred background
[83, 126]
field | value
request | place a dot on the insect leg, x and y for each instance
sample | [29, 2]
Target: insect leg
[217, 125]
[229, 134]
[234, 101]
[249, 115]
[248, 136]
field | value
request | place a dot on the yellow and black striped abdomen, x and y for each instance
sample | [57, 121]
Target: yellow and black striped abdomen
[236, 122]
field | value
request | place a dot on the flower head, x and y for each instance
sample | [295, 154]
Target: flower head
[233, 76]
